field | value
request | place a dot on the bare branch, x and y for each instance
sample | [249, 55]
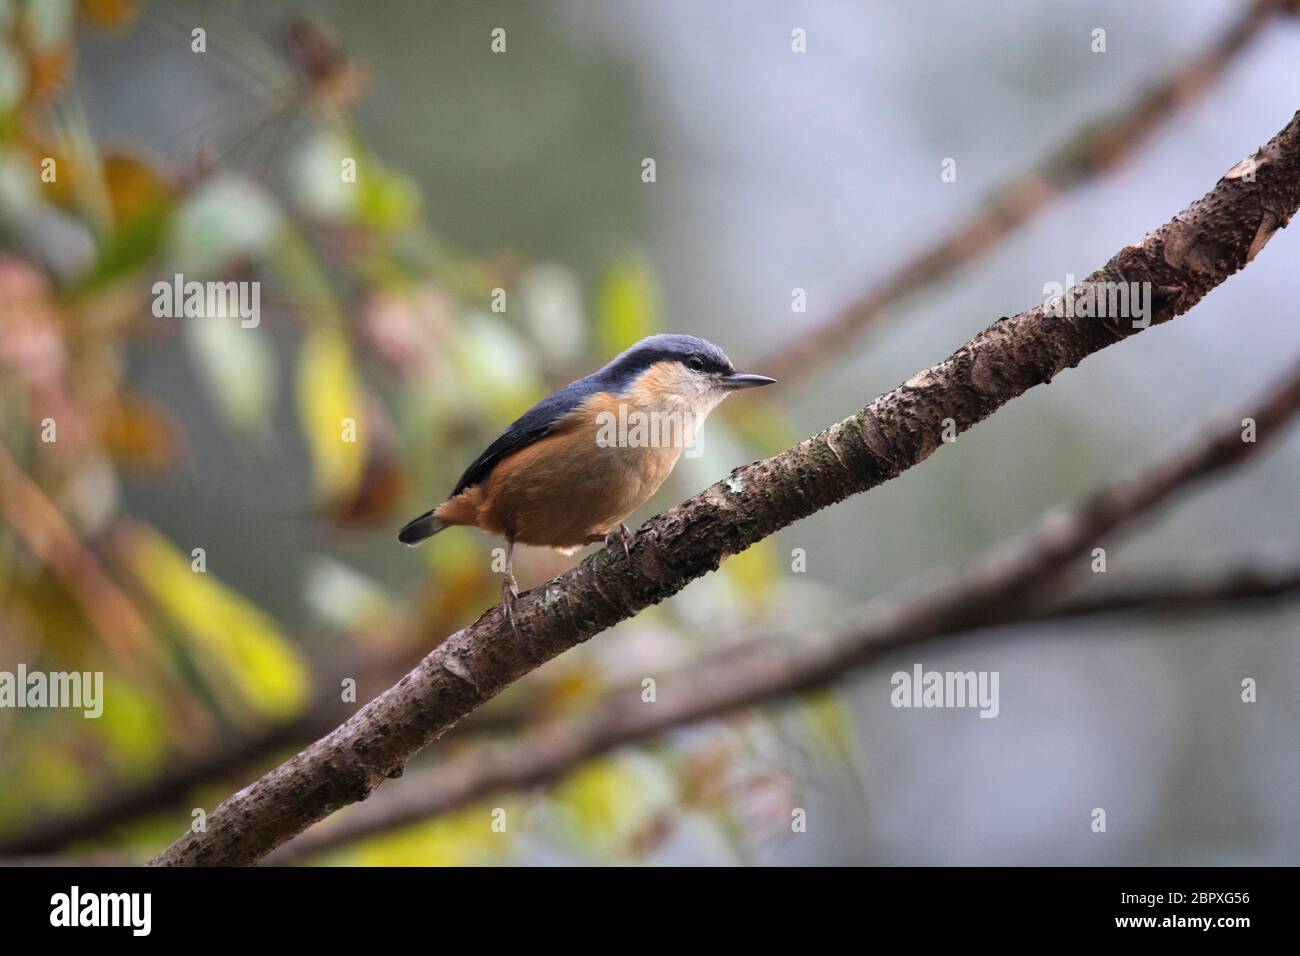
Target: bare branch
[50, 537]
[1226, 590]
[1182, 261]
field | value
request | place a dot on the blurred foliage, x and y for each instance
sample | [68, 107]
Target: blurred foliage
[459, 839]
[627, 306]
[402, 366]
[237, 648]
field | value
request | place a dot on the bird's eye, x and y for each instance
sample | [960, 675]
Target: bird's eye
[696, 362]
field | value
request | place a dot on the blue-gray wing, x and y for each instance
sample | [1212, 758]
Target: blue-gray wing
[532, 425]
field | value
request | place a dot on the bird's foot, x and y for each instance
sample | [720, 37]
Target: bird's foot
[623, 536]
[509, 598]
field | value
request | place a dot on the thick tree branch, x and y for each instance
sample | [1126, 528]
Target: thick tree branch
[1004, 586]
[1183, 260]
[1093, 150]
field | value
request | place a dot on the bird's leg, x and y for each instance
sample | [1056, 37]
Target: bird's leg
[509, 588]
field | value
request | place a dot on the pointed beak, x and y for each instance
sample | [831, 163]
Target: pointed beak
[738, 380]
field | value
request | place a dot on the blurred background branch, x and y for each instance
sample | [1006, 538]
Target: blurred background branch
[1091, 151]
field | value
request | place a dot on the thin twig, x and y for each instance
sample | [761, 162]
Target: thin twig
[1258, 584]
[50, 537]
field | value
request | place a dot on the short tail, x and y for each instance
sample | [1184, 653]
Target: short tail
[425, 526]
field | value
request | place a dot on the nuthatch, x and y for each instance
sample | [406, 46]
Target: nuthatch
[571, 469]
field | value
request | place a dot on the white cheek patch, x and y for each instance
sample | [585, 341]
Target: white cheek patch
[704, 401]
[710, 400]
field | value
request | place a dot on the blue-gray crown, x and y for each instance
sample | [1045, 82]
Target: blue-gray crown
[696, 353]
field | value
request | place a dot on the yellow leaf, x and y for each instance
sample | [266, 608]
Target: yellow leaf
[460, 839]
[573, 688]
[754, 570]
[110, 14]
[134, 188]
[239, 644]
[141, 432]
[331, 410]
[134, 728]
[830, 726]
[606, 803]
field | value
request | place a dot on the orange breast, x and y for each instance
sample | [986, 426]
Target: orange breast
[568, 487]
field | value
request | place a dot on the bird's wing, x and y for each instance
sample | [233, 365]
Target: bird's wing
[536, 423]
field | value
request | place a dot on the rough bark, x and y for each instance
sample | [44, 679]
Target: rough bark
[1183, 260]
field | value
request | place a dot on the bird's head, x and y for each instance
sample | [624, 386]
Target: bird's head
[680, 369]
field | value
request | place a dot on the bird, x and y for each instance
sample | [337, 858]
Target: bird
[570, 470]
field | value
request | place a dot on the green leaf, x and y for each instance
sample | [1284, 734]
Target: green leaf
[331, 409]
[126, 249]
[627, 305]
[238, 369]
[389, 200]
